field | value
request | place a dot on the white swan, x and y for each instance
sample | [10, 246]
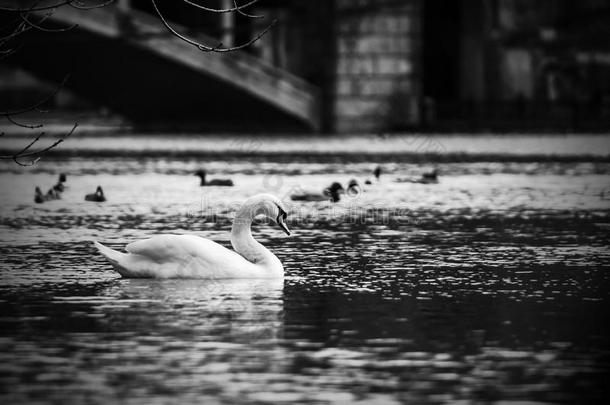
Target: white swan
[190, 256]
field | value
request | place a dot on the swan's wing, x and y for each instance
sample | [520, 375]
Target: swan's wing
[163, 248]
[158, 248]
[186, 256]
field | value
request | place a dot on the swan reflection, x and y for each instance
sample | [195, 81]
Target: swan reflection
[228, 310]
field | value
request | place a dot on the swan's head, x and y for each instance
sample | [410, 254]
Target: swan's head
[267, 205]
[62, 177]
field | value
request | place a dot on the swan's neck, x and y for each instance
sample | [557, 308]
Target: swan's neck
[245, 245]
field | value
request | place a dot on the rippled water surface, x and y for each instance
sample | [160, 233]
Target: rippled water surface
[492, 285]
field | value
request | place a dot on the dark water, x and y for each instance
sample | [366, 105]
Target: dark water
[490, 287]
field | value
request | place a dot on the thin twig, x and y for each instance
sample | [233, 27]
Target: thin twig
[36, 8]
[221, 10]
[8, 52]
[12, 120]
[20, 29]
[239, 10]
[207, 48]
[23, 16]
[57, 142]
[24, 26]
[36, 155]
[39, 103]
[83, 7]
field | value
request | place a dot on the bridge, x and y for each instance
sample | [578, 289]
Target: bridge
[150, 76]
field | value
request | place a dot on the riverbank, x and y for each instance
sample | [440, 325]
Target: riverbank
[403, 147]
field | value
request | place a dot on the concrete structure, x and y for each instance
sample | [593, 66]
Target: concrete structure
[377, 72]
[516, 64]
[132, 64]
[346, 65]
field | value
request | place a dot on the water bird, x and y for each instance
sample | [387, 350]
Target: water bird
[191, 256]
[98, 196]
[329, 193]
[52, 195]
[426, 178]
[377, 172]
[353, 188]
[215, 182]
[430, 177]
[39, 198]
[60, 186]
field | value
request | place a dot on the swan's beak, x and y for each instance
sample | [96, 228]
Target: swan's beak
[282, 225]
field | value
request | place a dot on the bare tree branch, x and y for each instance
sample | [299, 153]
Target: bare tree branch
[8, 52]
[38, 104]
[19, 124]
[207, 48]
[72, 3]
[225, 10]
[23, 16]
[79, 5]
[24, 26]
[240, 11]
[20, 29]
[37, 154]
[35, 7]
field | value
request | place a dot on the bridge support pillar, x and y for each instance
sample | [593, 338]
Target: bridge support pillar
[377, 77]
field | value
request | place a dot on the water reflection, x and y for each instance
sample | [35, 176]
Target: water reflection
[247, 311]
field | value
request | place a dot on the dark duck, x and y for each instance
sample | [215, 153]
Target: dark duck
[215, 182]
[98, 196]
[331, 193]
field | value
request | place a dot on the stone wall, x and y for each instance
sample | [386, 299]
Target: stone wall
[377, 84]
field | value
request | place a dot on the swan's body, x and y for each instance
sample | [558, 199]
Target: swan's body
[329, 193]
[215, 182]
[98, 196]
[190, 256]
